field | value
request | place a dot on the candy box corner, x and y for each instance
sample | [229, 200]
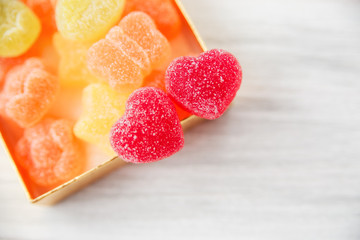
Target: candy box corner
[58, 193]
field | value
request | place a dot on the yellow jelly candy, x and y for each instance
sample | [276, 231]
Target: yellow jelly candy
[19, 28]
[73, 71]
[87, 20]
[102, 108]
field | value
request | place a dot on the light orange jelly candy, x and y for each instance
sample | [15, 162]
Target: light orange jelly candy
[162, 12]
[130, 48]
[108, 62]
[50, 153]
[142, 29]
[128, 53]
[28, 93]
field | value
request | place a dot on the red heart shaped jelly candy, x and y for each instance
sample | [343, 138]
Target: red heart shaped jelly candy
[206, 85]
[150, 129]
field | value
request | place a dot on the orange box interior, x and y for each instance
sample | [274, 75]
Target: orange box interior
[68, 105]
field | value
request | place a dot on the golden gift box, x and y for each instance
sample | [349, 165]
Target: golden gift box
[187, 43]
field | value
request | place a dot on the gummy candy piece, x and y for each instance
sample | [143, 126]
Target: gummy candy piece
[73, 71]
[87, 20]
[204, 86]
[142, 29]
[50, 153]
[19, 28]
[128, 53]
[157, 79]
[162, 12]
[130, 48]
[28, 92]
[107, 61]
[150, 130]
[45, 10]
[102, 108]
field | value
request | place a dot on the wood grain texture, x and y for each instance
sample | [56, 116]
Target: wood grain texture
[283, 163]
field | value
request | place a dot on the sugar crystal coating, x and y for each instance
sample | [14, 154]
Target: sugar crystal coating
[49, 152]
[108, 62]
[204, 86]
[142, 29]
[128, 53]
[130, 48]
[19, 28]
[28, 92]
[162, 12]
[150, 129]
[102, 107]
[87, 20]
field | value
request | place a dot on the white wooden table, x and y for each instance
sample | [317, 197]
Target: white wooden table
[284, 163]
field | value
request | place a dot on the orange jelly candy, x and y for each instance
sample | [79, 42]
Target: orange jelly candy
[129, 52]
[162, 11]
[50, 153]
[28, 93]
[106, 61]
[141, 28]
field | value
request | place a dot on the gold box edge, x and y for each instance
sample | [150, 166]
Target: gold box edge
[59, 193]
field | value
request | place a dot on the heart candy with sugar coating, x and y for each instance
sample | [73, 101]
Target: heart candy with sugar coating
[150, 129]
[206, 85]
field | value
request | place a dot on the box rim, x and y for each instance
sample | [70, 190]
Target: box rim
[188, 122]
